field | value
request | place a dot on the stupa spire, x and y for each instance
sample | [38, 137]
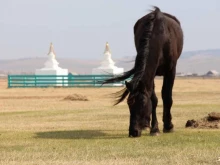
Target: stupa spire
[107, 64]
[51, 50]
[107, 49]
[51, 67]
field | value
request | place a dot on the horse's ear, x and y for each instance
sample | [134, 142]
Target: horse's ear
[128, 86]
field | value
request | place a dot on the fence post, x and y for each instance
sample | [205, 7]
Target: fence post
[24, 82]
[62, 80]
[94, 83]
[35, 80]
[73, 78]
[9, 81]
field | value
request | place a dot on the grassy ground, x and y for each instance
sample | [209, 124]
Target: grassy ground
[38, 127]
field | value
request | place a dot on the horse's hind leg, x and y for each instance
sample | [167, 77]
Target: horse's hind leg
[167, 88]
[154, 123]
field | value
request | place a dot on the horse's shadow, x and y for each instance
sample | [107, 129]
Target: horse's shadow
[78, 134]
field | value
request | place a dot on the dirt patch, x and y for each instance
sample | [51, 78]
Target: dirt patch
[76, 97]
[211, 121]
[214, 116]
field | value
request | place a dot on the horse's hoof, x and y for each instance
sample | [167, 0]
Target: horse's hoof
[155, 133]
[168, 130]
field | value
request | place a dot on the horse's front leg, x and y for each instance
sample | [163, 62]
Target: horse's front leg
[167, 88]
[154, 123]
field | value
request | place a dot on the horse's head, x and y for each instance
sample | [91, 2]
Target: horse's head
[140, 108]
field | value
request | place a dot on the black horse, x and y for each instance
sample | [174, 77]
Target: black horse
[159, 43]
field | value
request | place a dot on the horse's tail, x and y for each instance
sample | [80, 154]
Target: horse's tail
[141, 60]
[123, 77]
[121, 95]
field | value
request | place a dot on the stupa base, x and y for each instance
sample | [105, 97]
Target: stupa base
[56, 72]
[109, 71]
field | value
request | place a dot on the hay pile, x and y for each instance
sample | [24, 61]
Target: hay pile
[210, 121]
[76, 97]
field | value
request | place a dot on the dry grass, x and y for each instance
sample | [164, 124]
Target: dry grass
[38, 127]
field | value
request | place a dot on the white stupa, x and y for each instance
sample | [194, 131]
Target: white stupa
[107, 65]
[51, 65]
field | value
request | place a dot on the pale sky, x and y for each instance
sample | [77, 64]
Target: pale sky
[80, 28]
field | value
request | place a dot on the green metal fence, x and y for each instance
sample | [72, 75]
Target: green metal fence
[25, 81]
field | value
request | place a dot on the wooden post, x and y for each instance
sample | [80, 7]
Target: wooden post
[62, 80]
[9, 81]
[94, 81]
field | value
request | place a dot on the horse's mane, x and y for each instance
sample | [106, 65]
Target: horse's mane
[172, 17]
[141, 60]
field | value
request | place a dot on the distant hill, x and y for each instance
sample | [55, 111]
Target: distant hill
[212, 52]
[200, 62]
[30, 64]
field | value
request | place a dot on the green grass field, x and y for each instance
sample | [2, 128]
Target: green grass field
[38, 127]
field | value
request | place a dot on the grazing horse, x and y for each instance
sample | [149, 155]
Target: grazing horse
[159, 43]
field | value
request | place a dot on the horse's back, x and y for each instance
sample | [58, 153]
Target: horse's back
[172, 45]
[166, 40]
[172, 33]
[175, 34]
